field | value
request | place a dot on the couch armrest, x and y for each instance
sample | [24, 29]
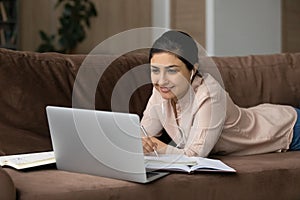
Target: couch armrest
[7, 187]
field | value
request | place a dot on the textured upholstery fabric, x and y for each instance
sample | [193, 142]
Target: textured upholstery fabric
[251, 80]
[7, 187]
[31, 81]
[28, 83]
[259, 177]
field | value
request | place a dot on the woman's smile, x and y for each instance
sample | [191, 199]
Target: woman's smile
[164, 89]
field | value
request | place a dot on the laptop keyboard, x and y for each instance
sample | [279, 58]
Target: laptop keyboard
[150, 174]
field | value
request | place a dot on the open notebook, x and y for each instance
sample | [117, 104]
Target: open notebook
[185, 164]
[28, 160]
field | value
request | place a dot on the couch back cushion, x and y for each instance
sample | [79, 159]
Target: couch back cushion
[251, 80]
[117, 83]
[31, 81]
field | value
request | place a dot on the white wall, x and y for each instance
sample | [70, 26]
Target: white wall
[160, 17]
[161, 13]
[243, 27]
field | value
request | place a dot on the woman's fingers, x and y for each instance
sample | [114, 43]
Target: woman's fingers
[148, 145]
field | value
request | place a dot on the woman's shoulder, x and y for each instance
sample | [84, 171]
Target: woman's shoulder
[206, 84]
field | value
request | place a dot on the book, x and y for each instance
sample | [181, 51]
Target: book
[23, 161]
[182, 163]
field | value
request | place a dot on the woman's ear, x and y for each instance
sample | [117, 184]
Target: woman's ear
[196, 67]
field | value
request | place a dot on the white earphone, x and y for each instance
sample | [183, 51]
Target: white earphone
[192, 75]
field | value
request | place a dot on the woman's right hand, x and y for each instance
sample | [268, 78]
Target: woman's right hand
[152, 143]
[149, 145]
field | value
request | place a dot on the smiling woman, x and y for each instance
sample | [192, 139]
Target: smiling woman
[199, 115]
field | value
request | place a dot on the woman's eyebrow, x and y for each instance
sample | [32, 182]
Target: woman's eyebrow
[170, 66]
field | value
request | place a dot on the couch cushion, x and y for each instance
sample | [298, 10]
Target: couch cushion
[8, 190]
[29, 82]
[251, 80]
[133, 93]
[270, 176]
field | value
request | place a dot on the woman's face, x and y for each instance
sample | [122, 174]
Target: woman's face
[169, 75]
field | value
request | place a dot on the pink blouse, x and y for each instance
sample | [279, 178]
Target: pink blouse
[210, 122]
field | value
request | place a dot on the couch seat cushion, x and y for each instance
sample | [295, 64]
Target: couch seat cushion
[268, 176]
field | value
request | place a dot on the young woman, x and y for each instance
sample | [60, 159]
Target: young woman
[199, 115]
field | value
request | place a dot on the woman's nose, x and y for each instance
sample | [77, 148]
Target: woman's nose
[162, 79]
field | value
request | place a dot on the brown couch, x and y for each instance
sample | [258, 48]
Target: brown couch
[31, 81]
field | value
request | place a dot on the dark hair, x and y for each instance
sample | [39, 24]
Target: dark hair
[179, 43]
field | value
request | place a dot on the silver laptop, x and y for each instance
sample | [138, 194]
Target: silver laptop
[99, 143]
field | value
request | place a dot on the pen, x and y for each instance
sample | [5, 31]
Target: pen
[145, 133]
